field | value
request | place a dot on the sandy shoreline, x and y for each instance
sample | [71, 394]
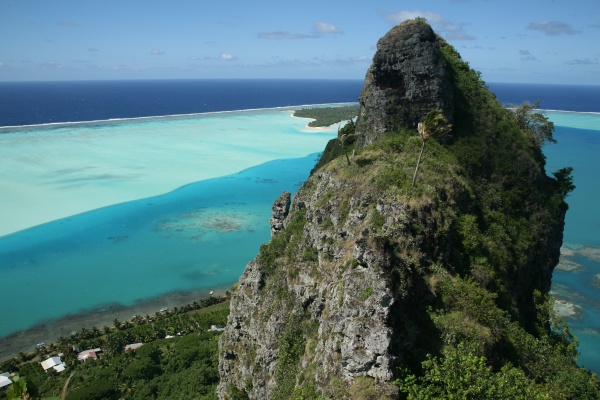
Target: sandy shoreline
[49, 331]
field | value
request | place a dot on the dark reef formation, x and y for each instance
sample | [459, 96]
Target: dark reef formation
[369, 274]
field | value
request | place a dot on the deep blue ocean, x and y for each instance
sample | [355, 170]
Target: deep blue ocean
[156, 251]
[28, 103]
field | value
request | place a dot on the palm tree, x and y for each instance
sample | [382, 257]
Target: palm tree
[344, 136]
[435, 123]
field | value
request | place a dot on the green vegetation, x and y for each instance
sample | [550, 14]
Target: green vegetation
[466, 249]
[19, 389]
[565, 180]
[291, 348]
[326, 116]
[342, 145]
[535, 122]
[365, 293]
[434, 124]
[476, 322]
[462, 374]
[182, 367]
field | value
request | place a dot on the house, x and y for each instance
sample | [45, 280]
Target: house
[133, 346]
[214, 328]
[5, 379]
[89, 354]
[54, 363]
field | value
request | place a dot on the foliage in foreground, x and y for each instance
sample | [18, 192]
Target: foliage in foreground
[462, 374]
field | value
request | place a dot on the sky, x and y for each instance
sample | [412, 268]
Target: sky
[525, 41]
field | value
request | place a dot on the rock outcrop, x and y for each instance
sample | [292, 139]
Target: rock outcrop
[280, 210]
[408, 78]
[368, 273]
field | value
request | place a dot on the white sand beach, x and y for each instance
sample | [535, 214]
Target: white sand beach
[48, 173]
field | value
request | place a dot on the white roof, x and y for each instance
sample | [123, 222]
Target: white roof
[86, 353]
[59, 368]
[4, 380]
[133, 346]
[51, 362]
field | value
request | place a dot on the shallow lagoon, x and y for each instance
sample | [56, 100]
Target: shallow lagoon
[172, 246]
[57, 170]
[169, 245]
[578, 136]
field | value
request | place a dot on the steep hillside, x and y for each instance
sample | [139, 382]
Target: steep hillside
[375, 288]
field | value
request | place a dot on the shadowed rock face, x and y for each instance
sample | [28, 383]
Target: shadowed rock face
[408, 78]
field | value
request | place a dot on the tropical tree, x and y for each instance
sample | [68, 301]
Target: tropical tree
[535, 123]
[565, 180]
[434, 124]
[344, 135]
[462, 374]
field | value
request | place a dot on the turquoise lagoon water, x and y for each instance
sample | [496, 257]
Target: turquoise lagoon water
[194, 239]
[200, 237]
[577, 279]
[54, 171]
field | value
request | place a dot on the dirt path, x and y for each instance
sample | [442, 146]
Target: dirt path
[63, 395]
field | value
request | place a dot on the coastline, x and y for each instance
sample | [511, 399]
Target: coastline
[49, 331]
[18, 128]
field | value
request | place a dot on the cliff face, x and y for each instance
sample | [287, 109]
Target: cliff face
[408, 78]
[368, 273]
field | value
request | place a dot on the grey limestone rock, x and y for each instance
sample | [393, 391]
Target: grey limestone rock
[340, 294]
[280, 210]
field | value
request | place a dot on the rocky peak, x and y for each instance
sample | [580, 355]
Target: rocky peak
[407, 79]
[368, 275]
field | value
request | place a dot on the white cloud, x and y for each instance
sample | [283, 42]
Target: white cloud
[227, 57]
[585, 61]
[527, 56]
[325, 27]
[403, 15]
[318, 30]
[341, 62]
[449, 30]
[553, 28]
[51, 65]
[156, 52]
[67, 24]
[277, 35]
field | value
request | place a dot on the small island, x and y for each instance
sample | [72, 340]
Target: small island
[327, 116]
